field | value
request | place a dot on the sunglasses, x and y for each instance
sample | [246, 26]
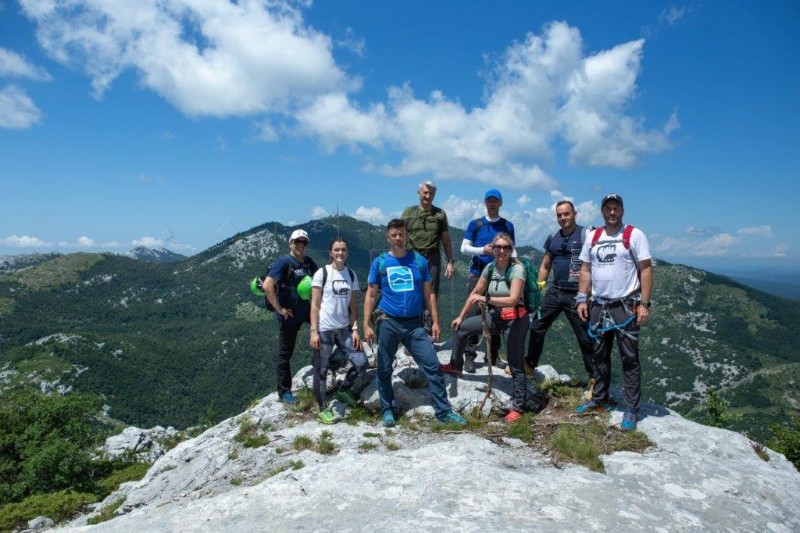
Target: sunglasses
[301, 242]
[502, 247]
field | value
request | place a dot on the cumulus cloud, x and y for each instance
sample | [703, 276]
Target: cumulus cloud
[205, 58]
[373, 215]
[764, 231]
[23, 241]
[703, 232]
[86, 242]
[17, 110]
[13, 65]
[318, 212]
[147, 242]
[524, 200]
[713, 245]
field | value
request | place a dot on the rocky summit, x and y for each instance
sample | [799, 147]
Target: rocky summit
[298, 474]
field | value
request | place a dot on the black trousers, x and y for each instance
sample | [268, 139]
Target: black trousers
[628, 346]
[554, 302]
[475, 310]
[287, 338]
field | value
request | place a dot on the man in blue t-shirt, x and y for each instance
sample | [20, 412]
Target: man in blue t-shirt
[561, 256]
[291, 311]
[478, 243]
[405, 284]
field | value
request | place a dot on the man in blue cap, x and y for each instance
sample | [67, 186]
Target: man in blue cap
[478, 243]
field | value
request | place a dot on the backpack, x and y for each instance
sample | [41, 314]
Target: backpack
[584, 231]
[626, 242]
[531, 293]
[325, 275]
[479, 225]
[308, 264]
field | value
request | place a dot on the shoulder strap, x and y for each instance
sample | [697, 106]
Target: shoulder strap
[324, 277]
[626, 237]
[596, 236]
[352, 274]
[478, 225]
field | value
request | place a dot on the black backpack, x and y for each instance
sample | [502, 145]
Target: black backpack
[308, 264]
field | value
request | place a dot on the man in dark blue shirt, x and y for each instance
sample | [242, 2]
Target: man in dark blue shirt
[291, 311]
[561, 255]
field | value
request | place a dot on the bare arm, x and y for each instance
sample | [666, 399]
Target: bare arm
[269, 289]
[369, 307]
[544, 268]
[448, 252]
[584, 284]
[646, 276]
[316, 301]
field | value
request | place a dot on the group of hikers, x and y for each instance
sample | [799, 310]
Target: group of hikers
[601, 280]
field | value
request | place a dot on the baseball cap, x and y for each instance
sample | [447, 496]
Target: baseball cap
[612, 196]
[493, 193]
[299, 234]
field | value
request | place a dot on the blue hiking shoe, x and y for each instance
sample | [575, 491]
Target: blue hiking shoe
[592, 406]
[288, 398]
[629, 420]
[388, 420]
[452, 418]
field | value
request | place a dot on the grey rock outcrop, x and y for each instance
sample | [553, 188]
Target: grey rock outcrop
[696, 478]
[138, 444]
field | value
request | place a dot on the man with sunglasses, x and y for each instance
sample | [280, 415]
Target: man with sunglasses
[291, 311]
[561, 256]
[478, 242]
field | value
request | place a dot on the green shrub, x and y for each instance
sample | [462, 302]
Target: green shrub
[58, 506]
[131, 472]
[787, 441]
[718, 413]
[106, 513]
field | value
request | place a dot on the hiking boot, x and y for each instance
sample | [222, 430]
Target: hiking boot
[587, 394]
[628, 420]
[388, 420]
[512, 416]
[469, 364]
[346, 397]
[530, 371]
[452, 418]
[592, 407]
[288, 398]
[498, 363]
[450, 369]
[326, 416]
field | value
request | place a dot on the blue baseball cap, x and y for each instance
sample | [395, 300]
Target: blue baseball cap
[493, 193]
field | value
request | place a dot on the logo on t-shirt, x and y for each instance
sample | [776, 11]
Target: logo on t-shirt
[340, 288]
[606, 253]
[400, 278]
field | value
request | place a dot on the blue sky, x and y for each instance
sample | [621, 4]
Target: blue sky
[178, 123]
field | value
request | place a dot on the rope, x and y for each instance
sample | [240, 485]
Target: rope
[488, 336]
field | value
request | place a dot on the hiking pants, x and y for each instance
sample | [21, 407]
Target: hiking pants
[628, 351]
[472, 343]
[515, 333]
[287, 337]
[409, 331]
[343, 339]
[554, 302]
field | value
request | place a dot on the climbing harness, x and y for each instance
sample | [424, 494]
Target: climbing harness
[606, 323]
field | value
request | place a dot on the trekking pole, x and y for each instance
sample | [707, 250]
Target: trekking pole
[488, 337]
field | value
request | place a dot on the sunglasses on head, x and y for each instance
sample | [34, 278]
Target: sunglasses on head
[502, 247]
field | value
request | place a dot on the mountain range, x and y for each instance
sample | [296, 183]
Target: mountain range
[173, 343]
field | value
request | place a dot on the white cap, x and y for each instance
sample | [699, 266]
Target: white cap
[299, 234]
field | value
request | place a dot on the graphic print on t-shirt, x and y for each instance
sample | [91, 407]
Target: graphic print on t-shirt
[607, 251]
[400, 278]
[340, 288]
[574, 265]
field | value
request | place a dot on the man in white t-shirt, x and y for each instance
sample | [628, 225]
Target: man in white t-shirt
[617, 267]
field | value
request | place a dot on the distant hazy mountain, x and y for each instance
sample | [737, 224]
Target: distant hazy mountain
[155, 255]
[10, 263]
[173, 343]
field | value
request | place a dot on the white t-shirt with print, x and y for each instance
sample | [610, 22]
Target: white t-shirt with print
[334, 311]
[614, 273]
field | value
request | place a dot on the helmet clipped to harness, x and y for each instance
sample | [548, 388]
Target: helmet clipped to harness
[304, 288]
[255, 285]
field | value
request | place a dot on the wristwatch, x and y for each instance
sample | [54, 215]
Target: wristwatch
[647, 304]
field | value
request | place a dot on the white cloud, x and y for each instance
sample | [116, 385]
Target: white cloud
[205, 58]
[373, 215]
[13, 65]
[351, 42]
[524, 200]
[17, 110]
[23, 241]
[672, 15]
[460, 211]
[147, 242]
[86, 242]
[318, 212]
[702, 232]
[781, 250]
[714, 245]
[543, 89]
[764, 231]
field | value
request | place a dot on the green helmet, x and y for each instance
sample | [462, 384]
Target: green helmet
[304, 288]
[255, 286]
